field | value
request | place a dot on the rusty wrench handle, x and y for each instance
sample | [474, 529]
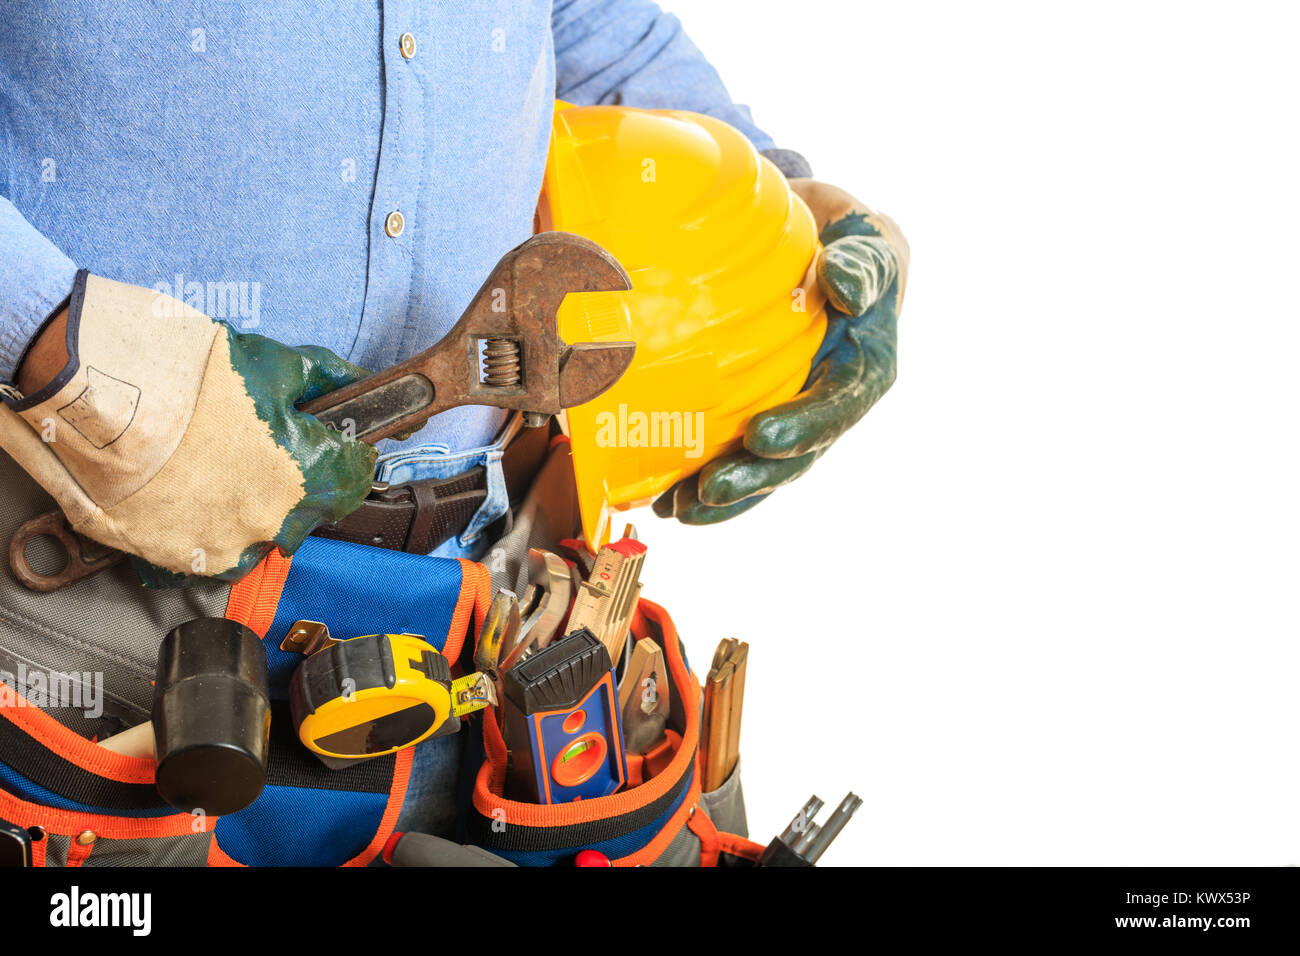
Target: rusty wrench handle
[384, 404]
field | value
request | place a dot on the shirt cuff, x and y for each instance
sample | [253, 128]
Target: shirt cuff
[789, 162]
[35, 280]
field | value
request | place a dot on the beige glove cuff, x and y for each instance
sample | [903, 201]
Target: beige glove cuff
[35, 458]
[830, 203]
[117, 411]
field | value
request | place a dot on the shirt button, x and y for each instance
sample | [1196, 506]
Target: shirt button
[395, 224]
[407, 42]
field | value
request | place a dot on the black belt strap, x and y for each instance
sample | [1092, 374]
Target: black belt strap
[415, 517]
[418, 516]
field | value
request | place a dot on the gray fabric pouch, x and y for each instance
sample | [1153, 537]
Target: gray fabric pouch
[725, 807]
[102, 632]
[86, 655]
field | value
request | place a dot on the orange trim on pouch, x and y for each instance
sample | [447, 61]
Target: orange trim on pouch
[74, 748]
[701, 825]
[72, 822]
[634, 778]
[254, 598]
[78, 852]
[396, 795]
[218, 857]
[733, 844]
[474, 601]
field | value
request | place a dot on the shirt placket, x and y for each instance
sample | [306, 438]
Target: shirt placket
[395, 229]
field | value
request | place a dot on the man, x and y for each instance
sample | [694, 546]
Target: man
[341, 175]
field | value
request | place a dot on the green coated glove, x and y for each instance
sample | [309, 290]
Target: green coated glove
[862, 269]
[175, 439]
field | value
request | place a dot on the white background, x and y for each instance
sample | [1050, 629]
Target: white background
[1040, 606]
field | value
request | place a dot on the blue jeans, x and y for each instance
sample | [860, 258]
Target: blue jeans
[432, 793]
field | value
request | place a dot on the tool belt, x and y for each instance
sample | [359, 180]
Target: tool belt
[93, 807]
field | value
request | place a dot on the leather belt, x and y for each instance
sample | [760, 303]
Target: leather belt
[415, 517]
[418, 516]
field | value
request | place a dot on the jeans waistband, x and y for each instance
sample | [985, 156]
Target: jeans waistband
[437, 461]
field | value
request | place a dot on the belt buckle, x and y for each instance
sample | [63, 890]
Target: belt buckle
[383, 491]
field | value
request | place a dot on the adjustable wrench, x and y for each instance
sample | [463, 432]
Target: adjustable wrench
[504, 351]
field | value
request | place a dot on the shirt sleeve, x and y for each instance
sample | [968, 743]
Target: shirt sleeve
[35, 279]
[631, 52]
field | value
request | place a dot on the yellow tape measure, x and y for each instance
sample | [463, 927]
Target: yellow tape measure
[375, 695]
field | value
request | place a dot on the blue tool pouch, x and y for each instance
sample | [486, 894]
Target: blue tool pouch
[344, 816]
[89, 806]
[660, 819]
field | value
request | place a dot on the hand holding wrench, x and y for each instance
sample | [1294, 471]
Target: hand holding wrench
[504, 351]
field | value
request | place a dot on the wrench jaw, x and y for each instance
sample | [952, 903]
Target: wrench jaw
[580, 265]
[589, 369]
[586, 369]
[511, 328]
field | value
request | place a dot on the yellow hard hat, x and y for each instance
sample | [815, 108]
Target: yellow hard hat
[724, 308]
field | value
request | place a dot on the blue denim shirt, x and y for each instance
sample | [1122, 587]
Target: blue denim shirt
[248, 157]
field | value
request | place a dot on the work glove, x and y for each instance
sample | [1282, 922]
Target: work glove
[862, 269]
[175, 439]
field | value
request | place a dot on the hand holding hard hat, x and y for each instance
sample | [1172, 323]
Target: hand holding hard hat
[732, 299]
[862, 270]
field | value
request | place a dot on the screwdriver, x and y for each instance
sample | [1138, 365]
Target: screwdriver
[803, 842]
